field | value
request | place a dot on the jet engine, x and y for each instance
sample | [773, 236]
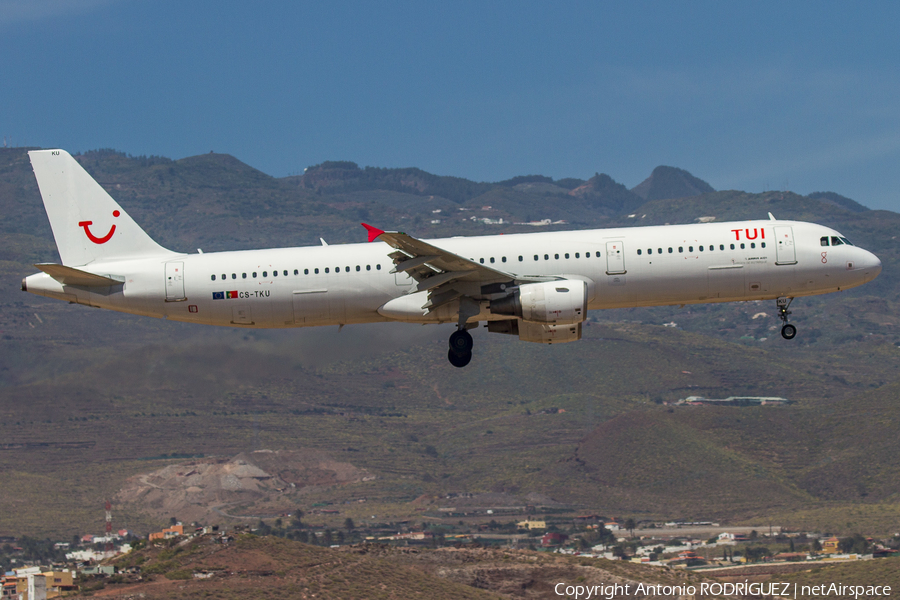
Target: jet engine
[540, 333]
[562, 302]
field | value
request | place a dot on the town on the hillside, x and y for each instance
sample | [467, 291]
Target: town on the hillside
[41, 569]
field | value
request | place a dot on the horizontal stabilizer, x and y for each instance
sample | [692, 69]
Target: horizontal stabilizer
[70, 276]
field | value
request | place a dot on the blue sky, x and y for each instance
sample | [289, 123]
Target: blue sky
[753, 96]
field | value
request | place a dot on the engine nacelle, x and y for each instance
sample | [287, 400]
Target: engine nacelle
[561, 302]
[540, 333]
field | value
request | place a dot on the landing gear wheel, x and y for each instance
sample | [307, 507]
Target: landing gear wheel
[461, 342]
[459, 360]
[788, 331]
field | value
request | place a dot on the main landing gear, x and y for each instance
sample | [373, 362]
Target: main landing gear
[460, 352]
[788, 331]
[461, 341]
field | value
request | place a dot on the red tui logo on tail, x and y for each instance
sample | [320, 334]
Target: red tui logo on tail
[98, 240]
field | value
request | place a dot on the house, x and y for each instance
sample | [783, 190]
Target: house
[553, 538]
[168, 533]
[831, 546]
[528, 524]
[8, 585]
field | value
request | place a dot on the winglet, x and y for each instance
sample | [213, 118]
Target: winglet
[374, 232]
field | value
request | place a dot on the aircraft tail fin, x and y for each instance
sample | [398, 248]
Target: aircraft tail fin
[87, 223]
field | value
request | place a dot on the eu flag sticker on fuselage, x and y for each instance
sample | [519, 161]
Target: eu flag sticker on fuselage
[223, 295]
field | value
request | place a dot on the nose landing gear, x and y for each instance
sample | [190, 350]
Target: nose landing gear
[788, 331]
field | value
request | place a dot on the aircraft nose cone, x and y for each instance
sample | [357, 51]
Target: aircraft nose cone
[871, 264]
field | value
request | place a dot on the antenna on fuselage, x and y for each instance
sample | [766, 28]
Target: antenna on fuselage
[772, 217]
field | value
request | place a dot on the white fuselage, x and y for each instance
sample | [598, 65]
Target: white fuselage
[344, 284]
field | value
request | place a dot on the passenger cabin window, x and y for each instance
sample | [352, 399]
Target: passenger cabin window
[577, 255]
[285, 273]
[481, 260]
[681, 248]
[224, 276]
[326, 269]
[274, 274]
[296, 272]
[535, 257]
[254, 274]
[378, 267]
[213, 277]
[316, 271]
[503, 259]
[546, 257]
[721, 246]
[598, 254]
[742, 246]
[639, 251]
[670, 250]
[753, 244]
[243, 276]
[521, 258]
[732, 246]
[690, 248]
[234, 275]
[357, 268]
[701, 248]
[556, 256]
[306, 271]
[762, 244]
[659, 250]
[567, 255]
[368, 267]
[492, 260]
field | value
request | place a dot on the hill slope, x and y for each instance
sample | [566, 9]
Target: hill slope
[383, 399]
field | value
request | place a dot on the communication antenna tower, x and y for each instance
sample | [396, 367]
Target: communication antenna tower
[109, 543]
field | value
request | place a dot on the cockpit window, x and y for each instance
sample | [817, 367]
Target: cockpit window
[846, 241]
[836, 241]
[824, 240]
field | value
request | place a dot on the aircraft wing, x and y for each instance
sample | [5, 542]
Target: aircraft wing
[445, 275]
[425, 262]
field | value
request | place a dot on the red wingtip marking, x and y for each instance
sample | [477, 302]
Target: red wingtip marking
[374, 232]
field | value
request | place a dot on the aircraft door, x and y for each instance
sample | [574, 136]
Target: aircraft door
[615, 258]
[175, 282]
[785, 253]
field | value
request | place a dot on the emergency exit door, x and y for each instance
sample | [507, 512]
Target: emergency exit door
[615, 258]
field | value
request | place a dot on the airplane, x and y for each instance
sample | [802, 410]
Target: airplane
[537, 286]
